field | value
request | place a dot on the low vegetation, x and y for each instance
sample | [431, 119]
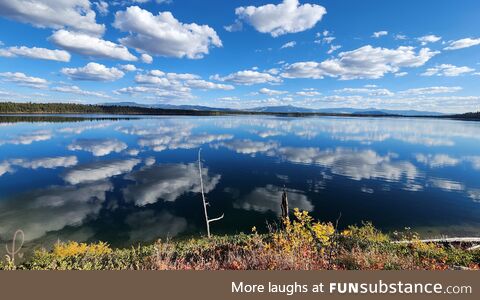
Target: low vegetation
[300, 244]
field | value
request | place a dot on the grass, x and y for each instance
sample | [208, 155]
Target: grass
[301, 244]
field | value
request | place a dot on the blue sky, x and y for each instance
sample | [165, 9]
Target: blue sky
[422, 55]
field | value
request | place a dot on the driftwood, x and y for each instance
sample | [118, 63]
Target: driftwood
[445, 240]
[470, 240]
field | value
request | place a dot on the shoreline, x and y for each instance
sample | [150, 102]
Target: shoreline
[68, 109]
[300, 244]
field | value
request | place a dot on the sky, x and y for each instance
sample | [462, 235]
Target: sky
[420, 55]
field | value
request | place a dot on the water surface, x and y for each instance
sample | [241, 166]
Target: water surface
[135, 180]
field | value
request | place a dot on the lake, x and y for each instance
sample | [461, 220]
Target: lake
[136, 179]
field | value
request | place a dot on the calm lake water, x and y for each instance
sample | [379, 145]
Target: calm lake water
[136, 179]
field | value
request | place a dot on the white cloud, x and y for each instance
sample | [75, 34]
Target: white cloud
[378, 34]
[263, 199]
[432, 90]
[98, 147]
[74, 14]
[93, 72]
[286, 17]
[44, 162]
[166, 182]
[401, 74]
[22, 79]
[236, 26]
[207, 85]
[428, 39]
[364, 62]
[447, 70]
[146, 58]
[308, 93]
[248, 77]
[437, 160]
[447, 185]
[270, 92]
[288, 45]
[333, 48]
[355, 164]
[73, 89]
[35, 52]
[371, 91]
[164, 35]
[102, 7]
[463, 43]
[128, 68]
[99, 170]
[28, 138]
[248, 146]
[90, 46]
[52, 208]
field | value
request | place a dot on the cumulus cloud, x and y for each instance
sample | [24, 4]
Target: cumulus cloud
[447, 70]
[102, 7]
[432, 90]
[446, 184]
[93, 72]
[207, 85]
[371, 91]
[437, 160]
[28, 138]
[378, 34]
[91, 46]
[308, 93]
[364, 62]
[286, 17]
[128, 68]
[289, 45]
[74, 14]
[99, 170]
[164, 35]
[166, 182]
[264, 199]
[248, 146]
[270, 92]
[248, 77]
[52, 208]
[22, 79]
[355, 164]
[35, 52]
[463, 43]
[73, 89]
[333, 48]
[146, 58]
[44, 162]
[428, 39]
[98, 147]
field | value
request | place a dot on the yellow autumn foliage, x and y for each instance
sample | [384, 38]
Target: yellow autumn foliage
[71, 249]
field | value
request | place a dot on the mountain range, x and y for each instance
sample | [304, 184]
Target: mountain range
[285, 109]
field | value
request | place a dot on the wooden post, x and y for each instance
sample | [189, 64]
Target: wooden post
[284, 204]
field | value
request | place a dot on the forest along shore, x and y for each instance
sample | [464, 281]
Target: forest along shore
[7, 108]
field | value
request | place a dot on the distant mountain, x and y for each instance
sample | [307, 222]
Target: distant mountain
[281, 109]
[167, 106]
[285, 109]
[353, 111]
